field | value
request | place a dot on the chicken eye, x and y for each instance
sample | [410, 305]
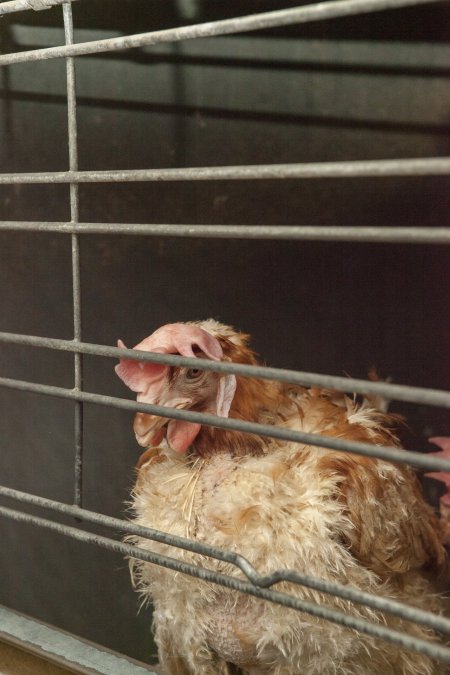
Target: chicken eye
[193, 373]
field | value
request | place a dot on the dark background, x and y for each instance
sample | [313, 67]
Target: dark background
[367, 87]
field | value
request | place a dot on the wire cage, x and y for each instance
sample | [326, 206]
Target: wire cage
[77, 229]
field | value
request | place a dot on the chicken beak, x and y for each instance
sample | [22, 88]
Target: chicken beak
[151, 429]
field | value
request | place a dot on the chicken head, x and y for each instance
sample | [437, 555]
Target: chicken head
[172, 387]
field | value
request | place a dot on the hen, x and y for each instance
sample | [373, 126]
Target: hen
[340, 517]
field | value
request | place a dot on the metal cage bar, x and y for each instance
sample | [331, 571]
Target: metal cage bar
[62, 649]
[255, 584]
[374, 168]
[363, 234]
[397, 392]
[270, 431]
[14, 6]
[330, 9]
[75, 246]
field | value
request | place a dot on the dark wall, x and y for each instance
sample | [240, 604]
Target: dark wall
[369, 87]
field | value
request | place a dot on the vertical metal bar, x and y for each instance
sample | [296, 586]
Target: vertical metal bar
[76, 281]
[7, 125]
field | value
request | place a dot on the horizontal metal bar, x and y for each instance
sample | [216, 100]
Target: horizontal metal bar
[13, 6]
[330, 9]
[373, 168]
[397, 392]
[434, 651]
[64, 649]
[390, 454]
[346, 592]
[363, 234]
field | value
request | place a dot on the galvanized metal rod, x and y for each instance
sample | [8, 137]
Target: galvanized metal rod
[330, 9]
[55, 646]
[390, 454]
[398, 392]
[76, 281]
[434, 651]
[363, 234]
[346, 592]
[13, 6]
[71, 113]
[370, 168]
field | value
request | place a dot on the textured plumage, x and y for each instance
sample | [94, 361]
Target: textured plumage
[329, 514]
[444, 502]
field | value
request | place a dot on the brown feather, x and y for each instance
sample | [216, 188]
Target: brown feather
[394, 531]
